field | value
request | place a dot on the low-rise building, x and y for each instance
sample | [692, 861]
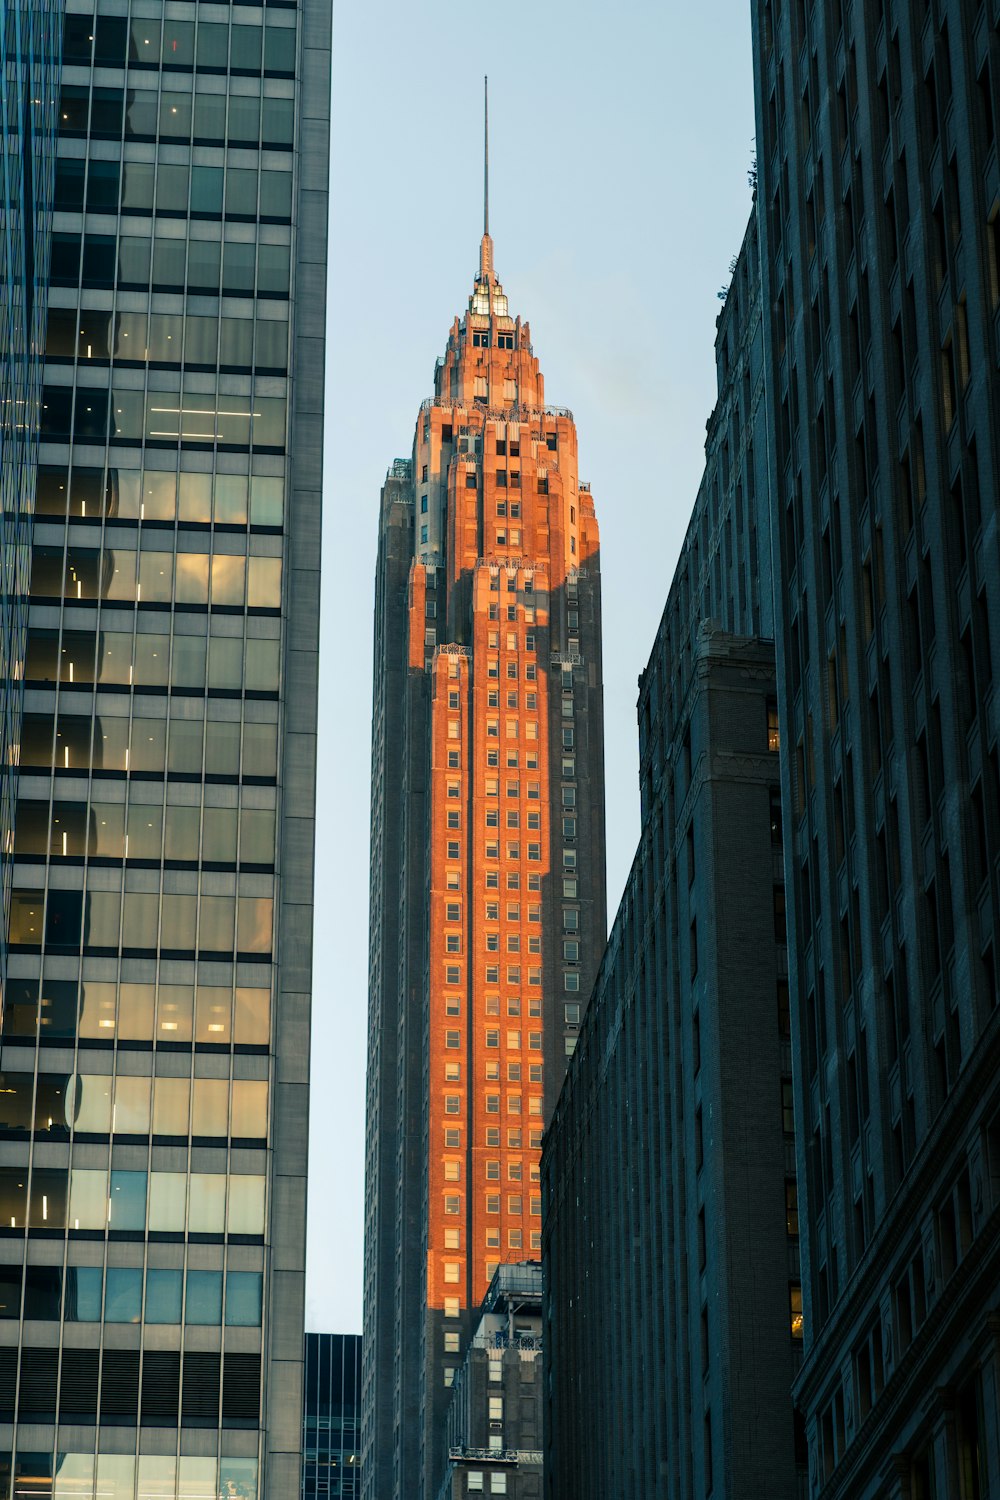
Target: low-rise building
[495, 1420]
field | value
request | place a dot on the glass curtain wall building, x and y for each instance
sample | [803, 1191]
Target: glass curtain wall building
[29, 61]
[332, 1418]
[154, 1042]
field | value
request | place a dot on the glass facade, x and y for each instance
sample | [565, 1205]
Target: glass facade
[151, 1112]
[331, 1420]
[29, 62]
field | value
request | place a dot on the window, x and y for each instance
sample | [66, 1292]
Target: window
[787, 1107]
[451, 1270]
[453, 911]
[452, 1104]
[791, 1206]
[493, 1171]
[453, 942]
[452, 1039]
[795, 1309]
[452, 1203]
[452, 1138]
[773, 731]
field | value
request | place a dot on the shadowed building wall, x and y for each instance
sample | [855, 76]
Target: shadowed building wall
[880, 239]
[673, 1313]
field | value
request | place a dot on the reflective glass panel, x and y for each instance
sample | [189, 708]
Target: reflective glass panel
[123, 1295]
[203, 1303]
[244, 1290]
[83, 1294]
[127, 1206]
[163, 1296]
[166, 1201]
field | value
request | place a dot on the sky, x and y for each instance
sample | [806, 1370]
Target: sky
[620, 138]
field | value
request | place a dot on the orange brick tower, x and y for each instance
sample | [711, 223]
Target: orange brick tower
[487, 881]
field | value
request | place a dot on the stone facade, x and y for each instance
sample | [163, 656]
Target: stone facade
[880, 239]
[487, 895]
[673, 1316]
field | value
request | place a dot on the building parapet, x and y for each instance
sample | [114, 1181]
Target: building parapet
[495, 413]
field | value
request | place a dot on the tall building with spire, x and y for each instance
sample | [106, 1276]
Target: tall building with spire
[487, 861]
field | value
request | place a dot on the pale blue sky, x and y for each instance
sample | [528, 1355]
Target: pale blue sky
[620, 141]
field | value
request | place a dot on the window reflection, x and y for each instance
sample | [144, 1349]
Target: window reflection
[210, 1114]
[171, 1106]
[252, 1017]
[167, 1191]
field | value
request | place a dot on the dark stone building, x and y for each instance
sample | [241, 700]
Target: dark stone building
[331, 1448]
[880, 250]
[495, 1417]
[670, 1240]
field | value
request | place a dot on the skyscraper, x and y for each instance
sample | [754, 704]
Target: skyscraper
[487, 900]
[28, 88]
[880, 240]
[155, 1014]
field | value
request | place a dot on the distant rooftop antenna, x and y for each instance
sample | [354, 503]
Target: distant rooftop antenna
[486, 246]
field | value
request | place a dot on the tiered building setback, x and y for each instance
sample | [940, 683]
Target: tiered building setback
[488, 906]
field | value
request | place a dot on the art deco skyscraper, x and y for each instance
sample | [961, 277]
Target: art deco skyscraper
[880, 240]
[155, 1016]
[487, 900]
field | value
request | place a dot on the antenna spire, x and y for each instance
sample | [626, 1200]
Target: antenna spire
[486, 247]
[486, 155]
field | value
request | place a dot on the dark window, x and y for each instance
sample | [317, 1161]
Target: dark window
[99, 255]
[64, 265]
[78, 39]
[102, 186]
[110, 43]
[69, 183]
